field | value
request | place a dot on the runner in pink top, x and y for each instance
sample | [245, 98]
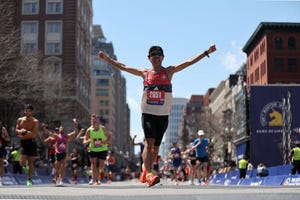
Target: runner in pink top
[61, 149]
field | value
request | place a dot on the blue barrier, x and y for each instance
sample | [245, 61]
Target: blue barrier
[292, 180]
[20, 179]
[278, 175]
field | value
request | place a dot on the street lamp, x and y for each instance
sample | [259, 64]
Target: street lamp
[229, 132]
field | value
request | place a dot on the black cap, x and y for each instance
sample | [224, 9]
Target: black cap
[155, 48]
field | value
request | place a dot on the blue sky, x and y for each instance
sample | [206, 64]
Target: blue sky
[184, 29]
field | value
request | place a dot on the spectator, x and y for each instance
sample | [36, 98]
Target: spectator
[250, 166]
[15, 158]
[243, 166]
[262, 170]
[295, 158]
[4, 137]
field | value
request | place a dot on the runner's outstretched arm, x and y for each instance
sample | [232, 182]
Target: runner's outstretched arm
[121, 66]
[191, 61]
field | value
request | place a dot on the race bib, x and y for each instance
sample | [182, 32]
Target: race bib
[97, 143]
[155, 97]
[62, 147]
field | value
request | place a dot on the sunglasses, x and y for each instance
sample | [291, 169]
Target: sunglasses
[156, 53]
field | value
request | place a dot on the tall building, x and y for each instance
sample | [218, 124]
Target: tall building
[175, 120]
[108, 95]
[60, 30]
[273, 54]
[273, 60]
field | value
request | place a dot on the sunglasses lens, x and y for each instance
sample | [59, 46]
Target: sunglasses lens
[156, 54]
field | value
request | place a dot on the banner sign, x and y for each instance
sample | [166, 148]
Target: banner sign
[292, 180]
[266, 122]
[241, 150]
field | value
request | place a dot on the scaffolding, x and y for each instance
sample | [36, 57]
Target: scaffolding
[286, 127]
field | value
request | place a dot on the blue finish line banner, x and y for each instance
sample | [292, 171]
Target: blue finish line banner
[266, 122]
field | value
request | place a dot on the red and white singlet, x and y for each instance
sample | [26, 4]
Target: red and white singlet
[157, 95]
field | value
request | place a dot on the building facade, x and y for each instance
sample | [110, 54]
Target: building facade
[60, 31]
[273, 54]
[108, 95]
[175, 120]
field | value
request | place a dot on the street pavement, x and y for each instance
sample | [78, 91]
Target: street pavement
[133, 190]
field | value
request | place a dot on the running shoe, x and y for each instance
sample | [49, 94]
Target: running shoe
[191, 182]
[96, 183]
[143, 175]
[91, 182]
[207, 182]
[29, 182]
[54, 180]
[60, 182]
[152, 179]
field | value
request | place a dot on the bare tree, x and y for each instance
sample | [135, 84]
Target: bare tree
[20, 80]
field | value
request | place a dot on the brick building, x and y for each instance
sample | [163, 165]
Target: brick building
[273, 54]
[60, 30]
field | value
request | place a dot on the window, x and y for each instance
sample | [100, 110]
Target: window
[256, 54]
[54, 27]
[104, 103]
[53, 48]
[104, 82]
[29, 37]
[54, 7]
[251, 60]
[30, 7]
[53, 37]
[292, 43]
[278, 65]
[29, 48]
[292, 65]
[256, 75]
[102, 92]
[98, 72]
[29, 27]
[263, 68]
[262, 47]
[96, 62]
[278, 43]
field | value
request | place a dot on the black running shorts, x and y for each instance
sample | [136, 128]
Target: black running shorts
[155, 126]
